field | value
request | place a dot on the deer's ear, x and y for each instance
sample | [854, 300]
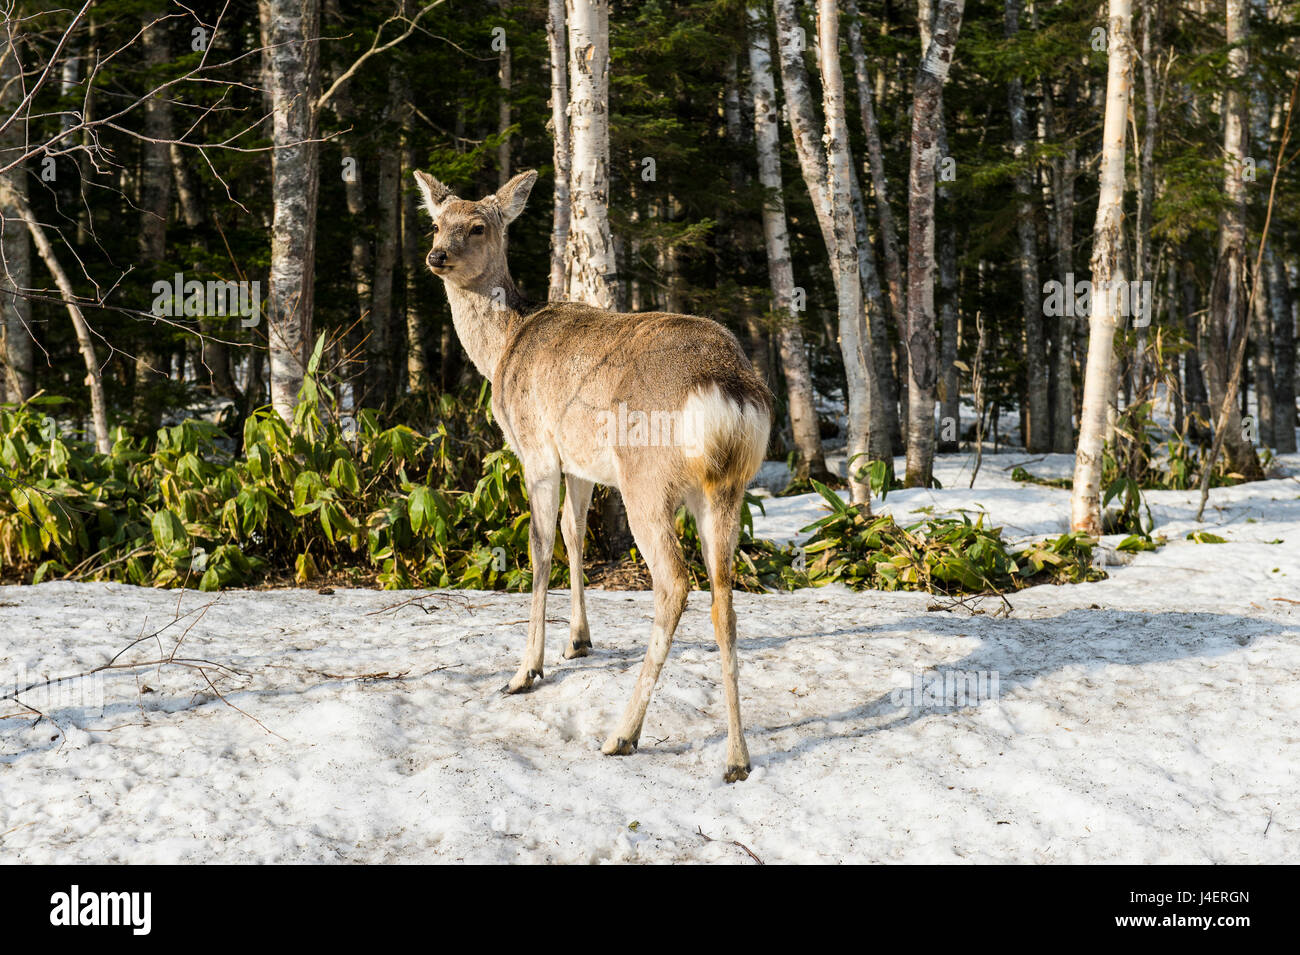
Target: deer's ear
[511, 197]
[434, 192]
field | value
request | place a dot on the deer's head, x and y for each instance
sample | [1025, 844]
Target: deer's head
[469, 238]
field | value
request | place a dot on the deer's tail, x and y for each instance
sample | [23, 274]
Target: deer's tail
[725, 432]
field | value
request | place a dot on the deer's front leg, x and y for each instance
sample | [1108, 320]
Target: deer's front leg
[544, 501]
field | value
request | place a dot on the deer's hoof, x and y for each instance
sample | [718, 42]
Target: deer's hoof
[577, 648]
[735, 774]
[618, 746]
[522, 682]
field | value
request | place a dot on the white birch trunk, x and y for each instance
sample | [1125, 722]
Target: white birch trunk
[794, 359]
[1085, 498]
[922, 365]
[292, 29]
[559, 123]
[854, 343]
[592, 266]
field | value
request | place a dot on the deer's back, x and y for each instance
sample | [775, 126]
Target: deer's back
[566, 365]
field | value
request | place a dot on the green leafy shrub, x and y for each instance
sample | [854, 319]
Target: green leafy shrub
[940, 555]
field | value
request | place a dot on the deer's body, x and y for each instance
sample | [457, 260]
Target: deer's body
[666, 408]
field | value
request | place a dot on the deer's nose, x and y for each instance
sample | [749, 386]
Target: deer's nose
[437, 257]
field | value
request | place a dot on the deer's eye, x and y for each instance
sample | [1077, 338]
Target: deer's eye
[477, 230]
[435, 228]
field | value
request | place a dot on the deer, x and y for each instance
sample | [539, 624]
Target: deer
[561, 375]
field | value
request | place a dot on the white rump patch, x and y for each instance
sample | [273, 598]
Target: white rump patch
[714, 424]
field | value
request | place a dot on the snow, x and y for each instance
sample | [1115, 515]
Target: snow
[1150, 717]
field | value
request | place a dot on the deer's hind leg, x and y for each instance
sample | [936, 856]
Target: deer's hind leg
[718, 517]
[652, 525]
[573, 525]
[543, 483]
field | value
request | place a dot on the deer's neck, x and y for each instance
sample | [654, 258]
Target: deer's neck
[483, 315]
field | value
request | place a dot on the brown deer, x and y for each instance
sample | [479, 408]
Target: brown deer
[578, 392]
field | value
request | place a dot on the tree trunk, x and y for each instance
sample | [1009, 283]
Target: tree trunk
[593, 270]
[1279, 296]
[894, 281]
[1063, 174]
[413, 271]
[794, 358]
[927, 114]
[559, 124]
[1038, 433]
[1146, 193]
[881, 416]
[155, 205]
[1261, 336]
[94, 378]
[1227, 317]
[292, 28]
[359, 238]
[1198, 402]
[15, 246]
[855, 343]
[381, 346]
[503, 110]
[1085, 498]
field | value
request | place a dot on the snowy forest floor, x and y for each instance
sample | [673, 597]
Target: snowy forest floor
[1150, 717]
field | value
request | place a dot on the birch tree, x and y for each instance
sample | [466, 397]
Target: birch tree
[854, 343]
[1085, 497]
[922, 364]
[292, 29]
[559, 125]
[592, 267]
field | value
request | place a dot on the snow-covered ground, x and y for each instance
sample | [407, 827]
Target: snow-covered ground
[1151, 717]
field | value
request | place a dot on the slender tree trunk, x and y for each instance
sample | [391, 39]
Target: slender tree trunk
[559, 124]
[85, 343]
[894, 282]
[360, 260]
[1085, 498]
[927, 114]
[950, 374]
[853, 336]
[593, 270]
[292, 28]
[1038, 434]
[1064, 173]
[155, 205]
[1146, 192]
[1227, 318]
[854, 343]
[15, 246]
[381, 346]
[1198, 402]
[1261, 336]
[504, 81]
[794, 358]
[413, 270]
[882, 418]
[1284, 341]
